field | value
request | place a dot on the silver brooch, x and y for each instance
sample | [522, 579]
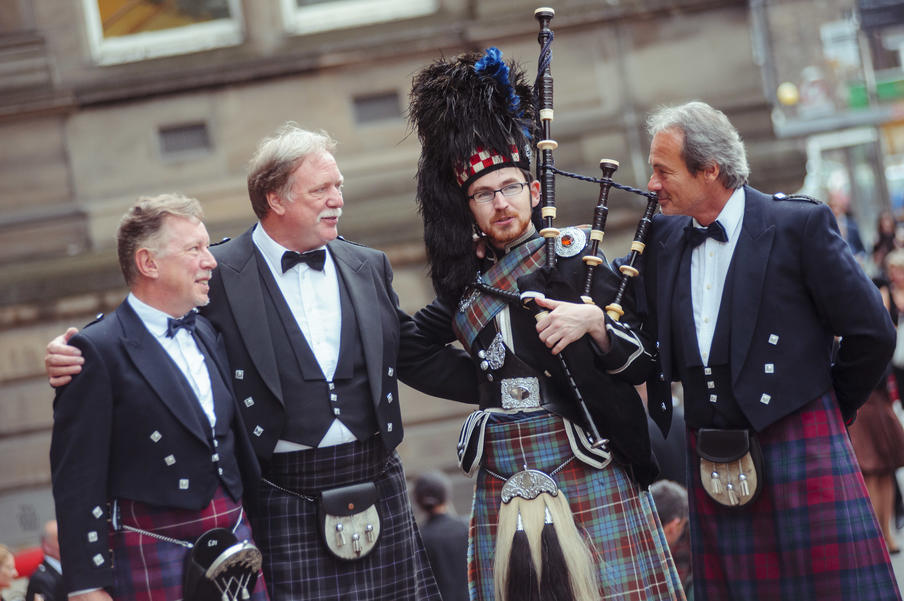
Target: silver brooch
[570, 242]
[495, 354]
[466, 301]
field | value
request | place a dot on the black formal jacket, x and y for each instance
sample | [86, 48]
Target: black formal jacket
[796, 286]
[46, 581]
[392, 347]
[116, 424]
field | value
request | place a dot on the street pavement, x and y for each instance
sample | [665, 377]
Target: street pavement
[897, 562]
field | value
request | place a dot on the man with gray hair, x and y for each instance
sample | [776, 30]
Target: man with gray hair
[746, 294]
[316, 343]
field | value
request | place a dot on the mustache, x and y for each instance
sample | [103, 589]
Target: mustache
[327, 213]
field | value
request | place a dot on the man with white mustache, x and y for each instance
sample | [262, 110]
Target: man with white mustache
[316, 344]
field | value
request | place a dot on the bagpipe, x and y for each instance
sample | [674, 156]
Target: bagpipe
[546, 171]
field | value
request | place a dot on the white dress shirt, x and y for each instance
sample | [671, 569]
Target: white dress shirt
[183, 350]
[313, 299]
[709, 266]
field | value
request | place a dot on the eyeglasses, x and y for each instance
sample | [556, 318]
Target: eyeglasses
[508, 190]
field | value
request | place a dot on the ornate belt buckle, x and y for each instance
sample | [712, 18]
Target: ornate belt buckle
[520, 393]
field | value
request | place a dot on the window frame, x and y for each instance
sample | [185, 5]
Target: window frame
[346, 14]
[146, 45]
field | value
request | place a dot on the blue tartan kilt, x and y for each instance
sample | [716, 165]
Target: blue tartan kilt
[617, 518]
[810, 536]
[148, 569]
[297, 565]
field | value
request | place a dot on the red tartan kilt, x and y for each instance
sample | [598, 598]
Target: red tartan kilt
[147, 569]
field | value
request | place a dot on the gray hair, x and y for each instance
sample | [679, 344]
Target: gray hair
[709, 138]
[277, 157]
[141, 226]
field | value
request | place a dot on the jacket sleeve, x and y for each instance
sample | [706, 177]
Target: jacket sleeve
[426, 361]
[851, 305]
[79, 459]
[630, 355]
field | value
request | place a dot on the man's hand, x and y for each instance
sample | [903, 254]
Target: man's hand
[63, 361]
[98, 595]
[567, 322]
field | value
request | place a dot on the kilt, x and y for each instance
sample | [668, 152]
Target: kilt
[619, 520]
[147, 569]
[811, 535]
[297, 564]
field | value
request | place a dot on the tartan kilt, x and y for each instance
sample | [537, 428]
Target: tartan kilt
[297, 564]
[811, 534]
[619, 520]
[147, 569]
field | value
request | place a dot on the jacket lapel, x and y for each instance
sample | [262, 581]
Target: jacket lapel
[245, 295]
[208, 339]
[669, 259]
[363, 294]
[751, 257]
[159, 371]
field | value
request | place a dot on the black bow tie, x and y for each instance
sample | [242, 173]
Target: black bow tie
[187, 321]
[313, 258]
[695, 236]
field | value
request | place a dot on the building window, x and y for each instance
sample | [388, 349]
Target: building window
[377, 107]
[180, 141]
[124, 31]
[310, 16]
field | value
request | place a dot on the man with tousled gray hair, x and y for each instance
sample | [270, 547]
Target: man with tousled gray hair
[746, 293]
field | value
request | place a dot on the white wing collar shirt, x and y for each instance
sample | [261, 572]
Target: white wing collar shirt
[709, 266]
[183, 350]
[313, 299]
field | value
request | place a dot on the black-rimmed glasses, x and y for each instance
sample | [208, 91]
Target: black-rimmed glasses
[508, 190]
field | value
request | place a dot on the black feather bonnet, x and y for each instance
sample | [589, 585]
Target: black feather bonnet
[473, 114]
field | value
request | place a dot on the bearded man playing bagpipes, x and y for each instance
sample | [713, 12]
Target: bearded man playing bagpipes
[559, 445]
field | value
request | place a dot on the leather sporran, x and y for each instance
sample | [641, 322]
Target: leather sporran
[731, 466]
[350, 520]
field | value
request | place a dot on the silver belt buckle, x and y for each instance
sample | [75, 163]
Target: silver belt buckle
[520, 393]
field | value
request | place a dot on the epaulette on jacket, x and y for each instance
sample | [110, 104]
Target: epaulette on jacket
[96, 319]
[352, 242]
[802, 197]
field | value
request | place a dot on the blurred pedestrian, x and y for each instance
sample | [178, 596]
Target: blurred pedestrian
[47, 580]
[886, 241]
[671, 506]
[840, 203]
[445, 536]
[8, 574]
[878, 440]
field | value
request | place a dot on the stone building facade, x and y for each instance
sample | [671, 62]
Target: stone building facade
[96, 110]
